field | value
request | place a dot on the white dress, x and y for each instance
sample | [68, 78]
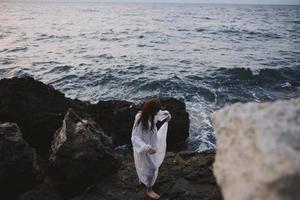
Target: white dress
[146, 164]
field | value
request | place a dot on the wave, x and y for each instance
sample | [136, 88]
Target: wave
[15, 49]
[7, 61]
[178, 86]
[59, 69]
[182, 29]
[45, 63]
[265, 75]
[101, 56]
[18, 72]
[200, 29]
[43, 36]
[248, 33]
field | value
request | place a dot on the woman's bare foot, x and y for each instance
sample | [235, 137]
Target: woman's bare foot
[152, 194]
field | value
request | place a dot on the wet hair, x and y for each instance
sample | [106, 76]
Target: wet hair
[149, 109]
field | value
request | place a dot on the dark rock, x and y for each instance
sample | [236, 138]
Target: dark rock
[181, 179]
[37, 108]
[43, 191]
[81, 154]
[17, 172]
[178, 128]
[117, 117]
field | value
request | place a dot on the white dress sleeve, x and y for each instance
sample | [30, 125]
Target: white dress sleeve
[162, 114]
[161, 141]
[136, 137]
[161, 144]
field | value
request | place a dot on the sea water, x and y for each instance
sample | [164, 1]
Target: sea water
[209, 56]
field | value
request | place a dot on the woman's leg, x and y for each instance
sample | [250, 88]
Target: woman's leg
[150, 178]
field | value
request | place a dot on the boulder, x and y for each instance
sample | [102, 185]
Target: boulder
[37, 108]
[80, 155]
[116, 118]
[258, 150]
[182, 176]
[17, 171]
[178, 128]
[43, 191]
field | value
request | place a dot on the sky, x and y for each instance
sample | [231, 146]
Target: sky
[285, 2]
[222, 1]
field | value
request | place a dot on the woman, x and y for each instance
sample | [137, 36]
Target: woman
[149, 144]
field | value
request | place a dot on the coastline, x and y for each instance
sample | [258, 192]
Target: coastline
[43, 120]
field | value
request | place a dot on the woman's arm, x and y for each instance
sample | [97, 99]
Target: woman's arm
[137, 141]
[163, 114]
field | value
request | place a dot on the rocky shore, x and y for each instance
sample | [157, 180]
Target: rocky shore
[56, 148]
[53, 147]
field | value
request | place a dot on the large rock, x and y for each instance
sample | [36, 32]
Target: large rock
[37, 108]
[258, 154]
[182, 176]
[43, 191]
[81, 154]
[17, 161]
[116, 118]
[178, 128]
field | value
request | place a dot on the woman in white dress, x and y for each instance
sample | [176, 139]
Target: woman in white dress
[149, 144]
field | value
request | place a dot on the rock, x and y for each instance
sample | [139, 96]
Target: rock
[81, 154]
[17, 172]
[37, 108]
[42, 191]
[117, 117]
[178, 128]
[188, 178]
[258, 154]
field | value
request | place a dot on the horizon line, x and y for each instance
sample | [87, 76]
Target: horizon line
[154, 2]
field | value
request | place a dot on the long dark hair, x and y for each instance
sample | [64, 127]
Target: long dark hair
[149, 110]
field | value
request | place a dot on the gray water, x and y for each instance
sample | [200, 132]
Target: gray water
[209, 56]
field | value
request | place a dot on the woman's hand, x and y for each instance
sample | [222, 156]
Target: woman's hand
[151, 150]
[168, 116]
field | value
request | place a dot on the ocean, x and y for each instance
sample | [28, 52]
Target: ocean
[209, 56]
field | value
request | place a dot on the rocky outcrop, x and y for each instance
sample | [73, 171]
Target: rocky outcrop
[117, 117]
[81, 154]
[39, 109]
[182, 176]
[258, 154]
[17, 158]
[178, 128]
[43, 191]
